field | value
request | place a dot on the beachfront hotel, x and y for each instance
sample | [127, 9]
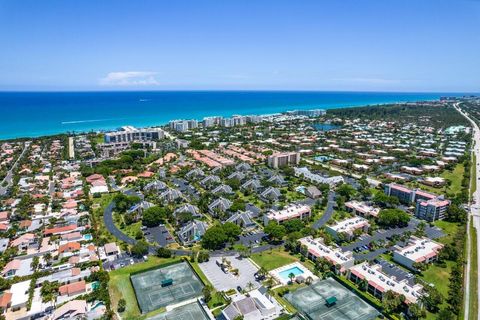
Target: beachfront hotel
[183, 125]
[314, 249]
[417, 250]
[130, 134]
[294, 211]
[379, 283]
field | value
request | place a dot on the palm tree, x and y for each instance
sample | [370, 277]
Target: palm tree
[291, 276]
[250, 286]
[47, 257]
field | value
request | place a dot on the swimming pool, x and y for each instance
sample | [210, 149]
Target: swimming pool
[285, 273]
[87, 237]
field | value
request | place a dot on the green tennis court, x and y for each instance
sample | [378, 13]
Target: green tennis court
[165, 286]
[329, 300]
[191, 311]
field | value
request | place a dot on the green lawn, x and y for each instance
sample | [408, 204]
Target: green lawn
[129, 229]
[455, 176]
[473, 305]
[449, 228]
[121, 287]
[273, 259]
[439, 277]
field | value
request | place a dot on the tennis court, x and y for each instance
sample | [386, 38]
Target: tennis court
[165, 286]
[312, 302]
[191, 311]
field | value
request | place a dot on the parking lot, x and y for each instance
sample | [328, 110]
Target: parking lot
[121, 261]
[159, 235]
[224, 281]
[251, 238]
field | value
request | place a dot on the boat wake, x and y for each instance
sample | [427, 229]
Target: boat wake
[86, 121]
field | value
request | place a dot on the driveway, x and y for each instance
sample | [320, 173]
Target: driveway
[224, 281]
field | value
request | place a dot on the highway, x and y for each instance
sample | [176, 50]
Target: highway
[474, 212]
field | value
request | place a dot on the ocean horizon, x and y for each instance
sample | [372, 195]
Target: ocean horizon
[34, 114]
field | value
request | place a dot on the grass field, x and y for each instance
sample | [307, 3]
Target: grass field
[455, 176]
[473, 294]
[439, 277]
[273, 259]
[121, 287]
[449, 228]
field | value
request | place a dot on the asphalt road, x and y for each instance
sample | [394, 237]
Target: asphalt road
[9, 177]
[474, 214]
[328, 212]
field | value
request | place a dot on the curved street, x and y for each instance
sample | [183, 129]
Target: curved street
[117, 233]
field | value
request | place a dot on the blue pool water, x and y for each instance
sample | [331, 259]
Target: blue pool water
[295, 270]
[87, 237]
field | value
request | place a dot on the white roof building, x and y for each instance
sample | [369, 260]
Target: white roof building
[418, 250]
[348, 226]
[361, 208]
[293, 211]
[317, 249]
[379, 283]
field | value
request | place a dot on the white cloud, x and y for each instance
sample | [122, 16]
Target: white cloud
[368, 80]
[130, 78]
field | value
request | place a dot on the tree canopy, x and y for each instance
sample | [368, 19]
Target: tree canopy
[393, 218]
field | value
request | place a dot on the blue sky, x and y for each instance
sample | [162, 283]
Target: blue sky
[383, 45]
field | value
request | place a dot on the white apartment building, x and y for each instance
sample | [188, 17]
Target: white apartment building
[282, 159]
[130, 134]
[348, 227]
[294, 211]
[418, 250]
[316, 248]
[379, 283]
[316, 178]
[362, 209]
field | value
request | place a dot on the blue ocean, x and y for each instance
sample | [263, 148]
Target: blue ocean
[33, 114]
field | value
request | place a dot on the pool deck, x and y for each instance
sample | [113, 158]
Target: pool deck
[306, 273]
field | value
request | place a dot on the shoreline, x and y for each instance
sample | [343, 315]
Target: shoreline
[140, 111]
